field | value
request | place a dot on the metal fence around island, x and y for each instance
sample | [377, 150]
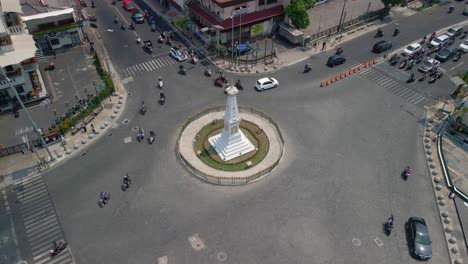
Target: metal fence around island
[229, 180]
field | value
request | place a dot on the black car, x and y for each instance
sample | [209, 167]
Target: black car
[335, 60]
[446, 54]
[382, 46]
[419, 241]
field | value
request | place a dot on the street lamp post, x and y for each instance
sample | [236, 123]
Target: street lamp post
[232, 39]
[35, 127]
[240, 25]
[341, 17]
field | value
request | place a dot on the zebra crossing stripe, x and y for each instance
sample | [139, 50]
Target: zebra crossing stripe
[35, 205]
[57, 259]
[160, 65]
[44, 222]
[39, 234]
[412, 97]
[35, 217]
[170, 60]
[386, 82]
[126, 72]
[150, 66]
[392, 85]
[139, 68]
[154, 64]
[143, 65]
[419, 100]
[404, 93]
[25, 180]
[163, 62]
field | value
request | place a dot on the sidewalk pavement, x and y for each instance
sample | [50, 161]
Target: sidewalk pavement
[452, 222]
[288, 56]
[21, 165]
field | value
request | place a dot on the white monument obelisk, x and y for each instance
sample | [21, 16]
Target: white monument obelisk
[231, 143]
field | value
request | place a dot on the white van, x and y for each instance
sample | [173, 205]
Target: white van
[440, 40]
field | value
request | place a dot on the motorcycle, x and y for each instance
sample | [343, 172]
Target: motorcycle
[162, 100]
[153, 27]
[339, 50]
[103, 198]
[432, 79]
[140, 134]
[92, 18]
[138, 40]
[463, 35]
[218, 82]
[83, 3]
[126, 183]
[57, 248]
[389, 225]
[123, 26]
[239, 85]
[307, 68]
[411, 79]
[160, 39]
[132, 26]
[207, 72]
[410, 65]
[169, 42]
[394, 59]
[457, 57]
[407, 172]
[379, 34]
[432, 36]
[182, 70]
[151, 137]
[49, 66]
[160, 83]
[450, 10]
[396, 32]
[422, 78]
[403, 64]
[93, 5]
[143, 108]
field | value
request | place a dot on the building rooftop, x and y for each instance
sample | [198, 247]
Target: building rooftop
[34, 7]
[226, 3]
[10, 6]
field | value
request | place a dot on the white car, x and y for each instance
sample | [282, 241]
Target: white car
[412, 49]
[266, 83]
[441, 40]
[177, 54]
[464, 46]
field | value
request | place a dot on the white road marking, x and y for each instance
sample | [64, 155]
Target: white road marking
[459, 64]
[127, 139]
[378, 242]
[163, 260]
[196, 242]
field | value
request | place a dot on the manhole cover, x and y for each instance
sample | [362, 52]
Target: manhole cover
[126, 121]
[356, 242]
[134, 129]
[222, 256]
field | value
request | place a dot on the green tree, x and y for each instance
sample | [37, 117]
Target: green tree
[221, 50]
[389, 3]
[297, 12]
[309, 3]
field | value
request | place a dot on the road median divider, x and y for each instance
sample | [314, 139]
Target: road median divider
[347, 73]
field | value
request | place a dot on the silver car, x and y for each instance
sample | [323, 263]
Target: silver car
[177, 54]
[418, 238]
[429, 65]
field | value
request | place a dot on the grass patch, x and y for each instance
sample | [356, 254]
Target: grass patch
[210, 157]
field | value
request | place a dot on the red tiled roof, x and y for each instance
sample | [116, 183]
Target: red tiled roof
[245, 19]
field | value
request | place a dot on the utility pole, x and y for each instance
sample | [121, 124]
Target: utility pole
[341, 17]
[35, 127]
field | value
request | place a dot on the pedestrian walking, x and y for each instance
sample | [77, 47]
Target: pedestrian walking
[92, 128]
[452, 195]
[84, 128]
[324, 44]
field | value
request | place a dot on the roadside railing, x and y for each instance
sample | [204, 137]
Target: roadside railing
[229, 180]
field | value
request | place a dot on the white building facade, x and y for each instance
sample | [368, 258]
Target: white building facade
[17, 58]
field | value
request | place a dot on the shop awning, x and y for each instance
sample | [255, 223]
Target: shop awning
[11, 6]
[25, 49]
[246, 19]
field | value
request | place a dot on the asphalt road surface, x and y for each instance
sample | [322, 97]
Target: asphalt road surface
[338, 182]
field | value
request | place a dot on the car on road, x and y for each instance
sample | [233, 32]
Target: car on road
[137, 16]
[441, 40]
[446, 54]
[429, 65]
[463, 46]
[266, 83]
[419, 241]
[178, 54]
[454, 31]
[335, 60]
[382, 46]
[128, 5]
[412, 48]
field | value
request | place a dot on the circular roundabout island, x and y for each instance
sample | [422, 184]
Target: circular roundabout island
[230, 145]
